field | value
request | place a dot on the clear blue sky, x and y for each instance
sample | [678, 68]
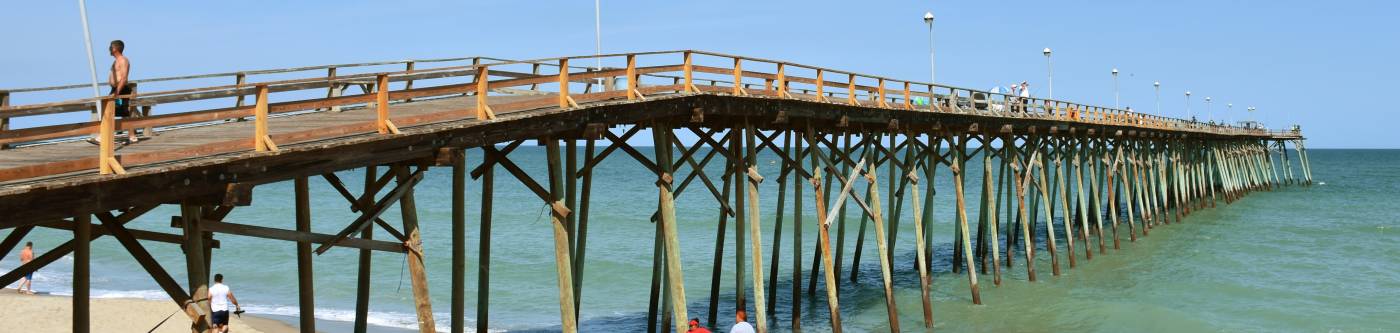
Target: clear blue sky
[1311, 63]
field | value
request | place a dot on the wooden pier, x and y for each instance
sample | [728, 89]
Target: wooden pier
[1093, 178]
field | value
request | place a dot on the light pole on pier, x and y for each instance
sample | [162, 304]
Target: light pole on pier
[1157, 89]
[1229, 115]
[1209, 115]
[1188, 104]
[1050, 70]
[1115, 89]
[932, 69]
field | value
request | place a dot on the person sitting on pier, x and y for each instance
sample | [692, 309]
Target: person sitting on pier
[219, 297]
[741, 324]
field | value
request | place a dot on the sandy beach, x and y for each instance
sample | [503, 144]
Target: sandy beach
[49, 313]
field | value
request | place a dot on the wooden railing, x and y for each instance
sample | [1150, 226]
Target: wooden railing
[673, 72]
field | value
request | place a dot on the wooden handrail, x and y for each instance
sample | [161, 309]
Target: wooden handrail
[955, 96]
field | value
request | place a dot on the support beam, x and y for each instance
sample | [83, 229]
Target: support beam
[362, 281]
[561, 238]
[483, 280]
[306, 290]
[194, 265]
[756, 239]
[459, 240]
[82, 263]
[144, 258]
[417, 274]
[402, 190]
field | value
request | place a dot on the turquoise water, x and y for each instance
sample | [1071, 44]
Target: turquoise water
[1308, 259]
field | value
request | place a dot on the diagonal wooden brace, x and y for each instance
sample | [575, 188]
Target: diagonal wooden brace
[378, 209]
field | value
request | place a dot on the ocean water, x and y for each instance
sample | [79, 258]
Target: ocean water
[1305, 259]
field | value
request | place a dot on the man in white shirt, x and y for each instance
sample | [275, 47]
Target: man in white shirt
[1025, 95]
[219, 297]
[741, 325]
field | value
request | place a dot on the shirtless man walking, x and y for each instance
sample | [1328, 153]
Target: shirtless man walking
[26, 284]
[117, 78]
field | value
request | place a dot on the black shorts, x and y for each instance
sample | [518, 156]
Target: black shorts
[123, 104]
[220, 317]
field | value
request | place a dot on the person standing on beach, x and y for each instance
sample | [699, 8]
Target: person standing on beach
[741, 324]
[26, 284]
[219, 297]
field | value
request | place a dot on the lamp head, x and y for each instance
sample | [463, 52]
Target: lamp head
[1188, 93]
[928, 17]
[1156, 84]
[1046, 51]
[1115, 71]
[1207, 98]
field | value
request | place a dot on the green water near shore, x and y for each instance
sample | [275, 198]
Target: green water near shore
[1308, 259]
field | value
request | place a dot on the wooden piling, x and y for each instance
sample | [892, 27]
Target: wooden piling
[459, 240]
[1021, 176]
[796, 232]
[1063, 198]
[362, 280]
[194, 265]
[882, 253]
[306, 290]
[581, 234]
[778, 227]
[824, 235]
[82, 263]
[561, 240]
[921, 263]
[417, 273]
[958, 167]
[756, 239]
[989, 193]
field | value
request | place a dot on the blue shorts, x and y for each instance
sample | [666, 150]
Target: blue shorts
[29, 277]
[220, 317]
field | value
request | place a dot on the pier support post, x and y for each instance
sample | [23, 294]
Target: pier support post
[363, 278]
[959, 162]
[921, 263]
[194, 265]
[82, 259]
[417, 274]
[1062, 194]
[756, 239]
[824, 234]
[459, 238]
[306, 291]
[989, 209]
[561, 239]
[483, 279]
[882, 253]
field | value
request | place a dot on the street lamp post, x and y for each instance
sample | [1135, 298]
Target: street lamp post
[598, 40]
[1188, 104]
[1209, 115]
[1115, 88]
[1050, 70]
[932, 69]
[1229, 115]
[1157, 89]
